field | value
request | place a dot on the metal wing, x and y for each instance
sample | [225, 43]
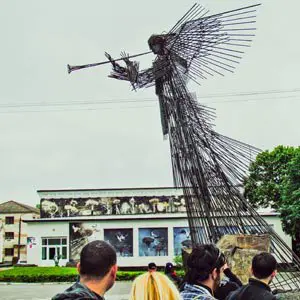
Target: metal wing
[212, 44]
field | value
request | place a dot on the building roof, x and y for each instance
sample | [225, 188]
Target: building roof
[115, 189]
[16, 207]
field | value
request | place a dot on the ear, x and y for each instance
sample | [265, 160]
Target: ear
[113, 271]
[274, 273]
[214, 273]
[251, 271]
[78, 267]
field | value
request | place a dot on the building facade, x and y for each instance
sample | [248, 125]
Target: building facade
[143, 225]
[13, 232]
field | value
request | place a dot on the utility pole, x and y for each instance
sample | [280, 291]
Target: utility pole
[19, 238]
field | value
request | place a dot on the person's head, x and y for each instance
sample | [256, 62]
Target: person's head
[205, 265]
[153, 285]
[264, 267]
[169, 268]
[152, 267]
[98, 264]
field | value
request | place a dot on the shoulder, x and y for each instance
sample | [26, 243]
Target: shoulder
[233, 295]
[268, 296]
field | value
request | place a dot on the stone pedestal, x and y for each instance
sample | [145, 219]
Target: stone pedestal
[240, 250]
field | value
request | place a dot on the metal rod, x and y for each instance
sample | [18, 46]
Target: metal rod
[74, 68]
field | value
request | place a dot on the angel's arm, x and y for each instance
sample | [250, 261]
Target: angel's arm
[131, 73]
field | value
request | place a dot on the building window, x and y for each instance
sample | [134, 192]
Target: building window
[9, 252]
[52, 247]
[9, 220]
[9, 235]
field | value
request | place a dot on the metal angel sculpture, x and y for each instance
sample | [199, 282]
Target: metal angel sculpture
[208, 166]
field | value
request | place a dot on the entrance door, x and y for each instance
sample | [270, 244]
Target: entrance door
[53, 251]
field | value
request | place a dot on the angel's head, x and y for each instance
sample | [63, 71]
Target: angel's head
[157, 43]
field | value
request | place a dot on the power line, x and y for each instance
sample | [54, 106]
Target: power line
[127, 100]
[72, 110]
[112, 101]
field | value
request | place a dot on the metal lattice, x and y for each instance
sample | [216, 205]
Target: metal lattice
[207, 165]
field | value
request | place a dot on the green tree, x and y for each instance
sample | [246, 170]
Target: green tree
[274, 180]
[290, 194]
[267, 173]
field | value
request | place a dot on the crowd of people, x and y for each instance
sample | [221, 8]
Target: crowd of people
[208, 277]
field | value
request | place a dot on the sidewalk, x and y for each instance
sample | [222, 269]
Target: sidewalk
[40, 291]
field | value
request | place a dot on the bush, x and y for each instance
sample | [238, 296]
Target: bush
[178, 261]
[53, 274]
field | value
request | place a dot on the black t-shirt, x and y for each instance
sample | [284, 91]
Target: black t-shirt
[254, 290]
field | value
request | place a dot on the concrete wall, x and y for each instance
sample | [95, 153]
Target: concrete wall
[48, 229]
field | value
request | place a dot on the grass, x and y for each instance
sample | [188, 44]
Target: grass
[52, 274]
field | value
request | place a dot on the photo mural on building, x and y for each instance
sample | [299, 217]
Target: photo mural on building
[121, 240]
[153, 241]
[59, 208]
[182, 239]
[80, 235]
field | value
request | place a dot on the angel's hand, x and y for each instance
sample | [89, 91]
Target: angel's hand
[108, 56]
[124, 56]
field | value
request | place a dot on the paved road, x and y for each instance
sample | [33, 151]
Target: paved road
[35, 291]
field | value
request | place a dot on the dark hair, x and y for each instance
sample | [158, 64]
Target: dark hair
[96, 259]
[263, 265]
[152, 266]
[169, 268]
[202, 261]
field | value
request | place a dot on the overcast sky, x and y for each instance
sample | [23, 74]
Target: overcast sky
[51, 141]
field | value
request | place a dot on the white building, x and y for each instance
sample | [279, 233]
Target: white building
[143, 225]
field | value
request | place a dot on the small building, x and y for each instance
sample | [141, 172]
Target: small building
[13, 230]
[142, 224]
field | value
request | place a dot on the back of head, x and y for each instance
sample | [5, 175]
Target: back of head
[96, 260]
[153, 286]
[202, 261]
[263, 265]
[169, 268]
[152, 266]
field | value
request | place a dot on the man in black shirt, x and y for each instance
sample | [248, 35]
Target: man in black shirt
[264, 267]
[228, 284]
[97, 269]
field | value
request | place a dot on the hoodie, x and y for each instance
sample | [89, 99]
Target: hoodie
[77, 291]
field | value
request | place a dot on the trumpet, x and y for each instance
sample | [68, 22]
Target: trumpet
[75, 68]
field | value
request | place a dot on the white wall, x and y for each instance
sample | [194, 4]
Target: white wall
[41, 230]
[61, 229]
[275, 221]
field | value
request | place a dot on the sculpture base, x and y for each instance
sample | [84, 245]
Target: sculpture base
[240, 250]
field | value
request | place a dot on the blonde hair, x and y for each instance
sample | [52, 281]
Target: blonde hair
[153, 286]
